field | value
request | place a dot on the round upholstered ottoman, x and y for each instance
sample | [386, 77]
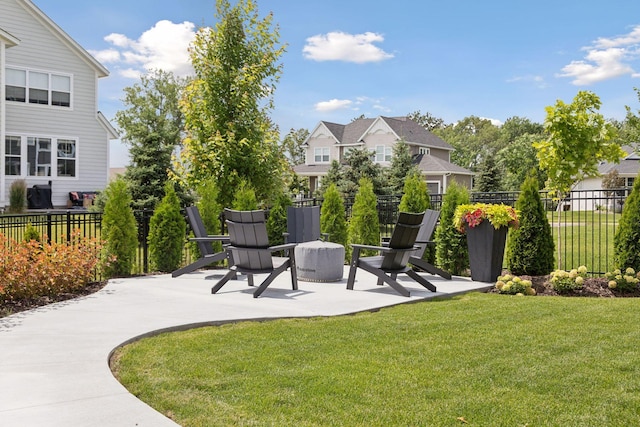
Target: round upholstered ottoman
[319, 261]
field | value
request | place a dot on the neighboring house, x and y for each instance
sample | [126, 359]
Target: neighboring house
[628, 169]
[332, 141]
[51, 129]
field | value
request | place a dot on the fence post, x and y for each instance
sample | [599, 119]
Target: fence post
[68, 227]
[145, 245]
[49, 227]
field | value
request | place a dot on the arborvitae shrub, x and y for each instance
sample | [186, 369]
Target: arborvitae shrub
[277, 221]
[119, 230]
[452, 254]
[245, 198]
[364, 226]
[626, 244]
[210, 211]
[167, 229]
[530, 247]
[415, 199]
[31, 233]
[332, 216]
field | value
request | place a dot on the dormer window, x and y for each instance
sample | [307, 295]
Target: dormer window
[38, 87]
[383, 153]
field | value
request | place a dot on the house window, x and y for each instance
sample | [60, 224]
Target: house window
[383, 153]
[38, 156]
[630, 182]
[12, 155]
[424, 150]
[66, 157]
[38, 87]
[321, 155]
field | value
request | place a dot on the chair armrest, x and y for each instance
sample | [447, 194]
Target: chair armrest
[369, 247]
[282, 247]
[211, 238]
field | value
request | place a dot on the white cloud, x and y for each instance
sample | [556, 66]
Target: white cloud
[332, 105]
[340, 46]
[164, 46]
[607, 58]
[538, 81]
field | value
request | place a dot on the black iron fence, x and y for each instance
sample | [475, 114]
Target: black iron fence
[586, 221]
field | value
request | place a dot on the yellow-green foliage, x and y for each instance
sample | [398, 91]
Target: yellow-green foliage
[514, 285]
[364, 226]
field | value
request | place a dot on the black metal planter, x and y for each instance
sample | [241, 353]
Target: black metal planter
[486, 251]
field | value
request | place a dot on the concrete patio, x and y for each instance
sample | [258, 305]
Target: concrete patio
[54, 360]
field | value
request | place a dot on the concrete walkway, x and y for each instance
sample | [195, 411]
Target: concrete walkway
[54, 360]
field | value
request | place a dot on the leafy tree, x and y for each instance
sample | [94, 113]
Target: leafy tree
[517, 159]
[530, 246]
[167, 229]
[489, 176]
[245, 198]
[229, 135]
[452, 254]
[292, 145]
[298, 184]
[473, 138]
[364, 226]
[332, 216]
[578, 138]
[401, 166]
[427, 120]
[515, 127]
[119, 230]
[626, 243]
[151, 124]
[277, 221]
[630, 129]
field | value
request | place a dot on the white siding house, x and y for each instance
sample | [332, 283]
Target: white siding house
[50, 126]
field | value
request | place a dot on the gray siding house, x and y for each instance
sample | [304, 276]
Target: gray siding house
[332, 141]
[50, 127]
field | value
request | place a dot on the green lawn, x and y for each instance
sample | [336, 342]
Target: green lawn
[491, 360]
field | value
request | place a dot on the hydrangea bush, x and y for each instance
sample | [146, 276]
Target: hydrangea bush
[624, 282]
[514, 285]
[565, 281]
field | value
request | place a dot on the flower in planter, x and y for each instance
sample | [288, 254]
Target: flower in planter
[499, 215]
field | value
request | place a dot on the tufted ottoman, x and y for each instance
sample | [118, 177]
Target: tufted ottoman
[319, 261]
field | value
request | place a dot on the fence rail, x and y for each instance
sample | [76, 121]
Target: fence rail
[586, 220]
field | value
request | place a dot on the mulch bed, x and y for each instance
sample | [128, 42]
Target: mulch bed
[592, 287]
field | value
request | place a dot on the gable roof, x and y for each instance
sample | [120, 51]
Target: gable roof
[628, 166]
[412, 132]
[436, 166]
[9, 38]
[64, 37]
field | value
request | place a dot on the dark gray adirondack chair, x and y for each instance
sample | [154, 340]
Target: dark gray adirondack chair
[205, 244]
[423, 240]
[394, 258]
[303, 224]
[251, 253]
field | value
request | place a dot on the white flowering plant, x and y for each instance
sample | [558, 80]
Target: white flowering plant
[514, 285]
[565, 281]
[626, 281]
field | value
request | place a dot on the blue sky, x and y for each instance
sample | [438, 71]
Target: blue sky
[492, 59]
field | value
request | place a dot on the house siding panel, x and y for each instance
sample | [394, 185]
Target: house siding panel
[41, 49]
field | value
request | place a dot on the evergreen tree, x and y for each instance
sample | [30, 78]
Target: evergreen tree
[335, 175]
[361, 165]
[245, 198]
[151, 126]
[119, 230]
[167, 230]
[401, 167]
[364, 226]
[488, 179]
[332, 216]
[416, 199]
[277, 221]
[530, 247]
[452, 254]
[626, 243]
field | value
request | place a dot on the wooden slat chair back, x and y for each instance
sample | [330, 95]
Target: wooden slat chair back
[249, 248]
[205, 244]
[303, 224]
[423, 240]
[395, 256]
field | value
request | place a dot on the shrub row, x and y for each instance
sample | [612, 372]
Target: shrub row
[30, 269]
